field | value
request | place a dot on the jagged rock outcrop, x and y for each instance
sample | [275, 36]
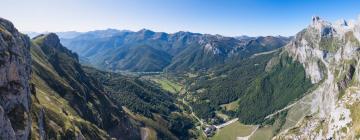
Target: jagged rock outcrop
[330, 55]
[15, 71]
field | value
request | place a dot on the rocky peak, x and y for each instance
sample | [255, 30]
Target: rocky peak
[146, 32]
[15, 71]
[329, 53]
[8, 26]
[315, 19]
[50, 45]
[341, 22]
[323, 27]
[50, 39]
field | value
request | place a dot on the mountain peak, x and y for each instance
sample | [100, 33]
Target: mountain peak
[315, 19]
[318, 22]
[7, 25]
[145, 31]
[341, 22]
[52, 36]
[50, 39]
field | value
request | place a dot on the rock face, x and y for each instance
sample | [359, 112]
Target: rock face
[330, 55]
[15, 71]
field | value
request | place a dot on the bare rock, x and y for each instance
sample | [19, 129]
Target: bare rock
[15, 71]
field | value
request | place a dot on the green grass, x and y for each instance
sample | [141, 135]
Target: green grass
[295, 114]
[58, 111]
[151, 133]
[232, 131]
[155, 124]
[355, 116]
[264, 133]
[231, 106]
[168, 85]
[221, 115]
[349, 36]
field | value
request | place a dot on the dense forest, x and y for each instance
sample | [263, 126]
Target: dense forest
[228, 84]
[259, 86]
[273, 90]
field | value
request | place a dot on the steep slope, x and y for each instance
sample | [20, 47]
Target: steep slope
[15, 89]
[330, 55]
[81, 102]
[282, 84]
[69, 104]
[134, 93]
[156, 109]
[176, 52]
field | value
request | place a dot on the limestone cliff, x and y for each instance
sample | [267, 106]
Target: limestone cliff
[330, 54]
[15, 90]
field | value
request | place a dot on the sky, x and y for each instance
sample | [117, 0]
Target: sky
[224, 17]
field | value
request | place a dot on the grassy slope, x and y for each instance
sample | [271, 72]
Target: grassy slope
[148, 133]
[68, 97]
[152, 123]
[355, 113]
[232, 106]
[232, 131]
[264, 133]
[62, 120]
[167, 85]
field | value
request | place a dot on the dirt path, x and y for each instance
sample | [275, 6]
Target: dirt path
[287, 107]
[281, 110]
[226, 123]
[192, 112]
[247, 137]
[263, 53]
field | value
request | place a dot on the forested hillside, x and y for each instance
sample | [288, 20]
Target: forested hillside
[155, 105]
[148, 51]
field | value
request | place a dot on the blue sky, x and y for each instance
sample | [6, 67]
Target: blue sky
[225, 17]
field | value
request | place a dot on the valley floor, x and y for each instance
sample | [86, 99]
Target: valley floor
[232, 129]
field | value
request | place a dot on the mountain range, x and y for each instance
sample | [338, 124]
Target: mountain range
[69, 87]
[148, 51]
